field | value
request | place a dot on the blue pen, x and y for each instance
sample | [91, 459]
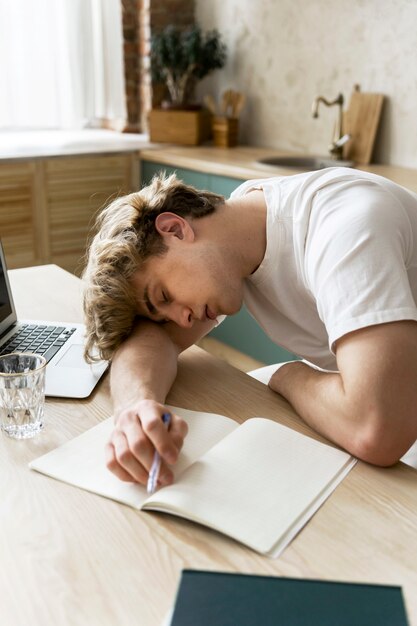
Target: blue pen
[156, 463]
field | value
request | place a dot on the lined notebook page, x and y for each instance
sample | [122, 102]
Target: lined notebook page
[259, 485]
[81, 461]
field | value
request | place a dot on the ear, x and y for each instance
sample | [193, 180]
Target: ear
[172, 225]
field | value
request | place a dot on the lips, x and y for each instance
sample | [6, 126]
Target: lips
[210, 314]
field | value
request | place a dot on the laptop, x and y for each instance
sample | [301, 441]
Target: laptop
[62, 345]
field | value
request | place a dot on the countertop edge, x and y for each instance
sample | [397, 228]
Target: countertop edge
[240, 163]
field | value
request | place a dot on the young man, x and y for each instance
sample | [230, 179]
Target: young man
[325, 261]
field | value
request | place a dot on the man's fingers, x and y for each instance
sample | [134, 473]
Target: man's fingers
[167, 442]
[166, 475]
[137, 435]
[113, 465]
[139, 445]
[121, 461]
[179, 427]
[178, 435]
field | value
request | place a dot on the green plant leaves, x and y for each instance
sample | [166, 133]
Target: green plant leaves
[180, 57]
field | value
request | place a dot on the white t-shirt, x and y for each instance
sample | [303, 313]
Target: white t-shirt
[341, 255]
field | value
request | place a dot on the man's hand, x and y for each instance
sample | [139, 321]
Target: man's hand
[139, 431]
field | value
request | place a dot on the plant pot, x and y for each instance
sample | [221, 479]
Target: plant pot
[188, 128]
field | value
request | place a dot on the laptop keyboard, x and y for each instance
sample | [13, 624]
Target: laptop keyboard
[45, 340]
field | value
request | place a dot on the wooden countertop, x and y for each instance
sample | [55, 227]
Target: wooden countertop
[72, 557]
[40, 144]
[240, 162]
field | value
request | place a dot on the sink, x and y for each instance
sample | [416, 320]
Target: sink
[304, 162]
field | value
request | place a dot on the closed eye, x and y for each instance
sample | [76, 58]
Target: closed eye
[152, 309]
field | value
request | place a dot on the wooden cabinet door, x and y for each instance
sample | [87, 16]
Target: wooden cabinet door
[77, 188]
[20, 229]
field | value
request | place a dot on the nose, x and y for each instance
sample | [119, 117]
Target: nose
[182, 315]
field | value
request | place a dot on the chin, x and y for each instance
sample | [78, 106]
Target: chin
[232, 309]
[230, 305]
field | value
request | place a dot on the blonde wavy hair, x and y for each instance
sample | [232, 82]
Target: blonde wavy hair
[125, 237]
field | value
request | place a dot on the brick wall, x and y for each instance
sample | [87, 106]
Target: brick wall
[130, 16]
[140, 19]
[165, 12]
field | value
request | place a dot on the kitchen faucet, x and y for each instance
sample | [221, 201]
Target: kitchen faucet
[336, 147]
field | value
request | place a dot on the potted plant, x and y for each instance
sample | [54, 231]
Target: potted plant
[180, 58]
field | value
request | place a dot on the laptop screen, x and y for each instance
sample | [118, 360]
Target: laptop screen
[7, 312]
[5, 307]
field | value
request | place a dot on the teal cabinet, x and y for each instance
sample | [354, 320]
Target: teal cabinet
[223, 184]
[199, 180]
[239, 331]
[219, 184]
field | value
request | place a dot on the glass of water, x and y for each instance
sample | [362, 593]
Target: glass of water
[22, 394]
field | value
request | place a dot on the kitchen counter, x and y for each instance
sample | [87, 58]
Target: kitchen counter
[240, 162]
[36, 144]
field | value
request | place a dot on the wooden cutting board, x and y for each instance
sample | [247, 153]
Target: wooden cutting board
[361, 121]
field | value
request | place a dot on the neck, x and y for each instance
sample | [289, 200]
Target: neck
[245, 230]
[237, 229]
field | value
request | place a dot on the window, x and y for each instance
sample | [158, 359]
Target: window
[61, 64]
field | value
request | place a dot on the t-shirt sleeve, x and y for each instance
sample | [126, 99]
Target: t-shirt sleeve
[251, 185]
[357, 248]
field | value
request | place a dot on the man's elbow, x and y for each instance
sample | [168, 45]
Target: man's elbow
[374, 450]
[382, 441]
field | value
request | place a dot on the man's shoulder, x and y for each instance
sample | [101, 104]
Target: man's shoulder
[257, 183]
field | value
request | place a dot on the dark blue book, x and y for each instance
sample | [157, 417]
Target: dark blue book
[222, 599]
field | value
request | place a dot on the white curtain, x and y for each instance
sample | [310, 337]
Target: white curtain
[61, 63]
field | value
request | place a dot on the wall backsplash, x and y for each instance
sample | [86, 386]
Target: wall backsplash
[282, 53]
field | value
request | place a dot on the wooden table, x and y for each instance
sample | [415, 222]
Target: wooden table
[71, 557]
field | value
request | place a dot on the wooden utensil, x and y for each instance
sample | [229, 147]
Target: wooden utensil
[239, 104]
[361, 122]
[226, 104]
[232, 103]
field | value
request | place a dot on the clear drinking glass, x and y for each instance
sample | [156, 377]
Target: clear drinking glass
[22, 394]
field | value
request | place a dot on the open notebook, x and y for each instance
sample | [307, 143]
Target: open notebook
[258, 482]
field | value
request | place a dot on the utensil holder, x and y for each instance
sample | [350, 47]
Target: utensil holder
[225, 131]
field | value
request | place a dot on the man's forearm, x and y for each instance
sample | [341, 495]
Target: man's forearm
[144, 367]
[369, 406]
[349, 415]
[345, 416]
[320, 399]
